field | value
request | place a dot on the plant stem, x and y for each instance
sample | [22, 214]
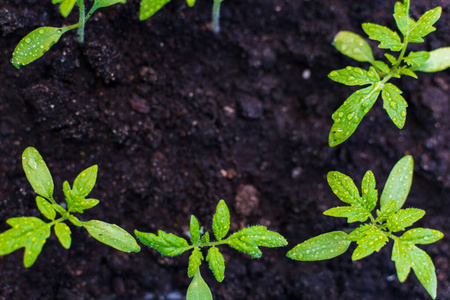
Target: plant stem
[215, 27]
[82, 21]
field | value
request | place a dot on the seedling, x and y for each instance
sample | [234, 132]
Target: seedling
[40, 40]
[246, 240]
[372, 236]
[32, 232]
[348, 116]
[150, 7]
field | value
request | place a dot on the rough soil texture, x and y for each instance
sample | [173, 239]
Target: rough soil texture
[178, 118]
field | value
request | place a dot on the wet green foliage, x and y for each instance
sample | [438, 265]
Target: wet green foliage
[31, 233]
[349, 115]
[373, 235]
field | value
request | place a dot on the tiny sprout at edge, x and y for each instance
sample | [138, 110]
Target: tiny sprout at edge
[372, 236]
[32, 233]
[40, 40]
[348, 116]
[246, 240]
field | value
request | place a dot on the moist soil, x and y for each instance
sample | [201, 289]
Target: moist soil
[178, 117]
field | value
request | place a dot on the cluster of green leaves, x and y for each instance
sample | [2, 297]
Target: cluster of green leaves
[372, 236]
[32, 233]
[247, 240]
[348, 116]
[36, 43]
[150, 7]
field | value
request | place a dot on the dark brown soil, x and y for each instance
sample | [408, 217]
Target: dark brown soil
[178, 118]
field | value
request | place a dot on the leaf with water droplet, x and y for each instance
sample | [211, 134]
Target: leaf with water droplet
[194, 231]
[198, 289]
[387, 209]
[422, 236]
[35, 44]
[401, 16]
[354, 76]
[370, 240]
[388, 39]
[416, 58]
[321, 247]
[150, 7]
[424, 269]
[343, 187]
[112, 235]
[165, 243]
[394, 104]
[65, 6]
[439, 60]
[221, 220]
[353, 46]
[37, 173]
[45, 208]
[424, 25]
[195, 260]
[399, 182]
[216, 263]
[63, 233]
[401, 258]
[404, 218]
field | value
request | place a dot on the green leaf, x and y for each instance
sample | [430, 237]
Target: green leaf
[45, 208]
[422, 236]
[221, 221]
[388, 39]
[75, 221]
[85, 181]
[390, 58]
[249, 239]
[194, 231]
[216, 263]
[343, 187]
[63, 233]
[400, 255]
[190, 3]
[65, 7]
[165, 243]
[198, 289]
[112, 235]
[28, 232]
[205, 238]
[439, 60]
[424, 269]
[383, 67]
[353, 213]
[372, 239]
[353, 46]
[369, 192]
[404, 218]
[321, 247]
[106, 3]
[76, 203]
[150, 7]
[394, 104]
[354, 76]
[401, 16]
[424, 25]
[387, 210]
[416, 58]
[348, 116]
[37, 173]
[399, 182]
[404, 70]
[35, 44]
[195, 260]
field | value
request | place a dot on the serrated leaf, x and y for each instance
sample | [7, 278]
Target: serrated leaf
[401, 16]
[383, 67]
[106, 3]
[404, 70]
[45, 208]
[424, 25]
[37, 173]
[353, 213]
[112, 235]
[150, 7]
[359, 233]
[399, 182]
[388, 39]
[249, 239]
[194, 230]
[28, 232]
[404, 218]
[63, 233]
[424, 269]
[216, 263]
[416, 58]
[369, 192]
[321, 247]
[353, 46]
[387, 210]
[394, 104]
[198, 289]
[35, 44]
[165, 243]
[439, 60]
[343, 187]
[401, 258]
[195, 260]
[422, 236]
[371, 241]
[390, 58]
[221, 220]
[348, 116]
[77, 204]
[65, 6]
[205, 238]
[354, 76]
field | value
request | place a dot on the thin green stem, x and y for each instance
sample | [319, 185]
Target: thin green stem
[215, 27]
[82, 21]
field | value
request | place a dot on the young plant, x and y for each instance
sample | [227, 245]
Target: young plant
[150, 7]
[348, 116]
[32, 233]
[372, 236]
[246, 240]
[40, 40]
